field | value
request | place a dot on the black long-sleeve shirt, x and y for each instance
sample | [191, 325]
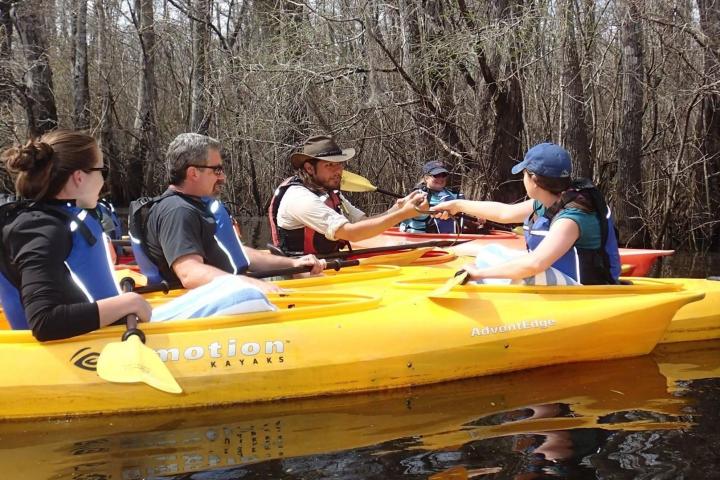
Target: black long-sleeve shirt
[37, 244]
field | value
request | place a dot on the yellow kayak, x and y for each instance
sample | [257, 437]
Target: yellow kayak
[696, 321]
[435, 417]
[321, 343]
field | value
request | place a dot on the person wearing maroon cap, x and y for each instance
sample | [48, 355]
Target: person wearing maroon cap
[434, 185]
[308, 214]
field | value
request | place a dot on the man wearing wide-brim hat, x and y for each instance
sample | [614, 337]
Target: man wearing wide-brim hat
[308, 214]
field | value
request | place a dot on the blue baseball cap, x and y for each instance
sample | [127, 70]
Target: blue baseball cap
[546, 159]
[434, 167]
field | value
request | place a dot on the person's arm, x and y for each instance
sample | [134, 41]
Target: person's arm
[193, 272]
[112, 309]
[354, 232]
[493, 211]
[264, 260]
[562, 236]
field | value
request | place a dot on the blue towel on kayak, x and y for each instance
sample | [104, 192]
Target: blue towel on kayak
[494, 254]
[225, 295]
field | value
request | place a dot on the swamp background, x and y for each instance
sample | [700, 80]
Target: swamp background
[630, 87]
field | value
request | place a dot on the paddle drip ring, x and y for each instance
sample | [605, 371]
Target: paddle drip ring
[134, 331]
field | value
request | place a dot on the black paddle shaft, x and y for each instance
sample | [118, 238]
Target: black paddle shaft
[392, 248]
[335, 264]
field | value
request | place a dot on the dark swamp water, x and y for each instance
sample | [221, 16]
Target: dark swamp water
[652, 417]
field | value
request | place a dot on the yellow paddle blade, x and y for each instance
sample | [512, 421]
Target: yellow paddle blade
[449, 285]
[131, 362]
[625, 268]
[352, 182]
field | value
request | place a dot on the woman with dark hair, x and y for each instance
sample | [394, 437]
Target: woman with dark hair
[568, 227]
[56, 274]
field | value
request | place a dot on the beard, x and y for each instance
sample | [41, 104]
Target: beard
[332, 183]
[217, 188]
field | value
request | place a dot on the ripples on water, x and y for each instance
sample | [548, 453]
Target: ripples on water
[653, 417]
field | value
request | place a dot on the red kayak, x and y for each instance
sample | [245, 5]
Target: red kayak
[394, 236]
[640, 260]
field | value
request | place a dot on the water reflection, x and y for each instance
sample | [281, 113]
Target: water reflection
[566, 420]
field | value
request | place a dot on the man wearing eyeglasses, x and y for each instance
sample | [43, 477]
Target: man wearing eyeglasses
[188, 233]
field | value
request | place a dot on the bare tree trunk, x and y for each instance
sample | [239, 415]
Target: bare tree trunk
[108, 143]
[143, 151]
[506, 96]
[199, 111]
[6, 32]
[708, 169]
[81, 88]
[628, 207]
[575, 131]
[39, 96]
[7, 124]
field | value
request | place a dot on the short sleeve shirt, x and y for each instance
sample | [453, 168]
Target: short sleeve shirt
[180, 225]
[590, 234]
[301, 208]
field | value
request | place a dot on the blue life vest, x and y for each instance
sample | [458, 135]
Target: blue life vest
[428, 224]
[586, 266]
[109, 219]
[225, 235]
[89, 263]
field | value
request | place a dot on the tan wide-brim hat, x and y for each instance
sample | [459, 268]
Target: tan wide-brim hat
[321, 147]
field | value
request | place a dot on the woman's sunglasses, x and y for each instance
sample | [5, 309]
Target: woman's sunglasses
[103, 170]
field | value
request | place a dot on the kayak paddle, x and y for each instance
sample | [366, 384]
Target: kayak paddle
[131, 361]
[460, 278]
[393, 248]
[165, 287]
[352, 182]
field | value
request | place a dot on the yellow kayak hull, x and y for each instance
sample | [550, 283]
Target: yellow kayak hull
[696, 321]
[436, 417]
[322, 343]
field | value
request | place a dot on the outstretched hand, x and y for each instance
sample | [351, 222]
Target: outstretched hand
[445, 210]
[417, 200]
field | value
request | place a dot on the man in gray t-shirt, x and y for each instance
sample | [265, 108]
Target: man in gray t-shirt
[181, 234]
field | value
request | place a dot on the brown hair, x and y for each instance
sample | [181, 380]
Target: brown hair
[307, 179]
[555, 185]
[561, 186]
[41, 167]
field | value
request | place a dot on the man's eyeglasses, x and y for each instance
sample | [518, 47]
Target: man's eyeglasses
[440, 175]
[103, 170]
[217, 169]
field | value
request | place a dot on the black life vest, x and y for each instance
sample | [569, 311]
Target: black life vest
[302, 240]
[225, 235]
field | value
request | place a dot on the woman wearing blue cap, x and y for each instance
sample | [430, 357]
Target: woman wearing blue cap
[568, 227]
